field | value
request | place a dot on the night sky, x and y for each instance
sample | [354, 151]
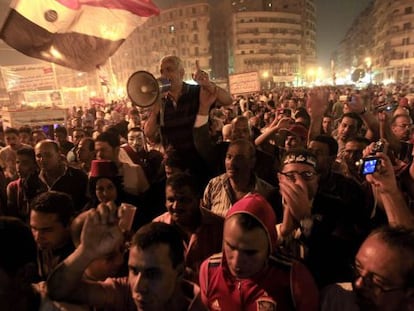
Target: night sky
[334, 18]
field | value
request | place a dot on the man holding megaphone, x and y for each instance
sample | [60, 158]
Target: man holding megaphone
[175, 111]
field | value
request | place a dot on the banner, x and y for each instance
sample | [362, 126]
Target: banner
[243, 83]
[28, 77]
[79, 34]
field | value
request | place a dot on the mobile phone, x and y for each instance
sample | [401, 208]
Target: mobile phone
[370, 165]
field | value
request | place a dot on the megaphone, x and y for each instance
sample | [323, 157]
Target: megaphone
[143, 88]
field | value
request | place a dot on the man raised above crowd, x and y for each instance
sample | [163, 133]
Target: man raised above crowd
[175, 113]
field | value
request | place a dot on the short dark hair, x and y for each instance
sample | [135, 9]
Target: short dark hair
[156, 233]
[244, 142]
[11, 130]
[55, 202]
[90, 142]
[135, 129]
[400, 239]
[18, 247]
[61, 130]
[28, 152]
[181, 180]
[329, 141]
[25, 129]
[359, 139]
[354, 116]
[109, 137]
[302, 113]
[173, 158]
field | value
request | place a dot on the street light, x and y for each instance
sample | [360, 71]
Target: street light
[265, 76]
[311, 74]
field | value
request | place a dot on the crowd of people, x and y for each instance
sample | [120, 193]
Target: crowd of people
[291, 199]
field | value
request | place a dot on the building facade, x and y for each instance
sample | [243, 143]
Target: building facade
[276, 38]
[381, 41]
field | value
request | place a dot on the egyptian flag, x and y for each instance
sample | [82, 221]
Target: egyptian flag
[79, 34]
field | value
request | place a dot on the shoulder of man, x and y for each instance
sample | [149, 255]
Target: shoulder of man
[215, 260]
[281, 261]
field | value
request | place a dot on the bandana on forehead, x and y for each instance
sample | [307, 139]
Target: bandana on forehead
[300, 158]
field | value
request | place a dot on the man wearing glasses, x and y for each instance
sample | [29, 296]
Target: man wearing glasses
[316, 227]
[383, 275]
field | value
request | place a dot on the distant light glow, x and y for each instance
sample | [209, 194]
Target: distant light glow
[192, 82]
[388, 81]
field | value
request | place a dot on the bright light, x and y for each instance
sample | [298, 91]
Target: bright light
[311, 71]
[388, 81]
[320, 71]
[192, 82]
[368, 62]
[265, 74]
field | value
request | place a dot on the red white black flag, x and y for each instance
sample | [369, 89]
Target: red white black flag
[79, 34]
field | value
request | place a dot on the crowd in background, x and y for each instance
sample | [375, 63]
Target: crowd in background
[293, 185]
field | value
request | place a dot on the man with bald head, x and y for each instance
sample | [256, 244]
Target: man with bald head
[56, 175]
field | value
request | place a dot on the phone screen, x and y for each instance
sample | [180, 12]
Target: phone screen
[369, 166]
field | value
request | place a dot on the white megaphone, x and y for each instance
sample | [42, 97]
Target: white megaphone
[143, 88]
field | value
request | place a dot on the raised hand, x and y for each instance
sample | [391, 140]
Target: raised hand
[202, 78]
[317, 102]
[384, 178]
[295, 197]
[207, 99]
[101, 233]
[356, 104]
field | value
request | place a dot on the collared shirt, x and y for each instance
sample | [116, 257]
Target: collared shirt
[218, 195]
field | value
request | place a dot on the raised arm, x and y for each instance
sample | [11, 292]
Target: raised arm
[384, 185]
[202, 78]
[371, 122]
[317, 104]
[100, 236]
[205, 146]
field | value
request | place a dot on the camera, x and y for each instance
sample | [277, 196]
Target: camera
[370, 164]
[388, 106]
[378, 147]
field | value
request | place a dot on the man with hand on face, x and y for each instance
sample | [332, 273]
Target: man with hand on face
[156, 267]
[317, 227]
[249, 274]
